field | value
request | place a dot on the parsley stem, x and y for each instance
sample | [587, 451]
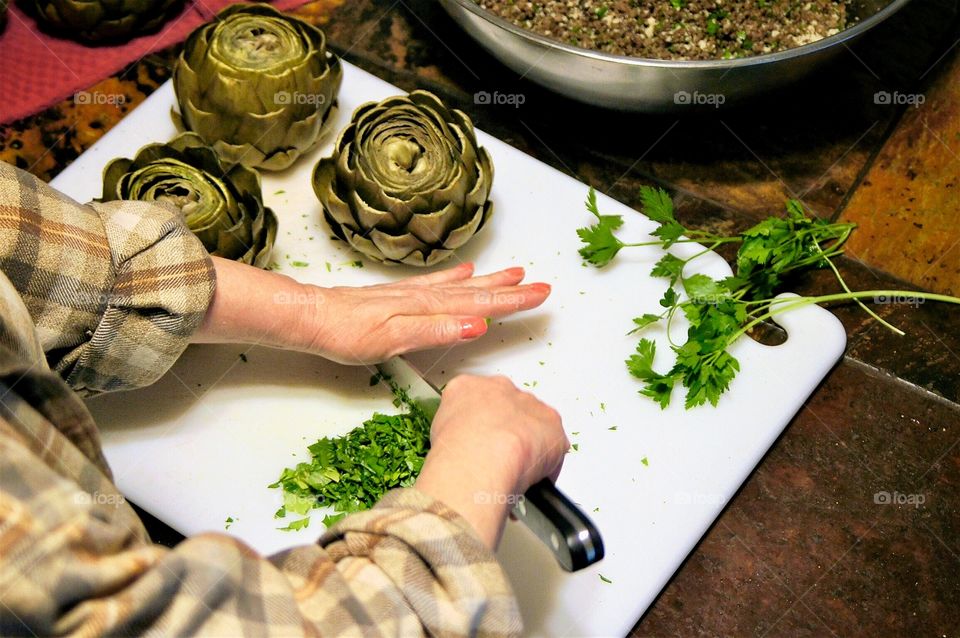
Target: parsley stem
[660, 242]
[870, 312]
[706, 250]
[789, 303]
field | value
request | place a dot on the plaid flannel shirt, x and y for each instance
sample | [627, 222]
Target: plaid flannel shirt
[105, 297]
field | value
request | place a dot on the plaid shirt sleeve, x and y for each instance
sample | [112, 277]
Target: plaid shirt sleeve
[77, 560]
[115, 290]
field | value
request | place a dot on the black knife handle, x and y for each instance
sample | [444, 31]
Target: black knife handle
[561, 525]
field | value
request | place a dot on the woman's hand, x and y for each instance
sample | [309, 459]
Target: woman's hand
[489, 443]
[374, 323]
[361, 324]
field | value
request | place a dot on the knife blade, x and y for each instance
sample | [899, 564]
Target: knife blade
[562, 526]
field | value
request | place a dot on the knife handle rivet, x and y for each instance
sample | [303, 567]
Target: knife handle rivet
[522, 506]
[555, 541]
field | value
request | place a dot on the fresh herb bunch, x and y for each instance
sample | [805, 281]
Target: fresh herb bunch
[351, 473]
[721, 311]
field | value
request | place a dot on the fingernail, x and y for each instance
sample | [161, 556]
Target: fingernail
[516, 271]
[471, 328]
[541, 287]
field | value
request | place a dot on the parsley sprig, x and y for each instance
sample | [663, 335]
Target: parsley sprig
[721, 311]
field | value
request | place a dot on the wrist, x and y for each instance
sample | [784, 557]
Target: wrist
[260, 307]
[480, 481]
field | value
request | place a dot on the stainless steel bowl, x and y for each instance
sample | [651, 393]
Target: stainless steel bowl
[640, 84]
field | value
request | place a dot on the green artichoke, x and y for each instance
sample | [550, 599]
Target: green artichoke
[257, 85]
[104, 20]
[222, 206]
[407, 182]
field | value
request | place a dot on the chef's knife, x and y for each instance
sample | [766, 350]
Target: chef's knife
[551, 516]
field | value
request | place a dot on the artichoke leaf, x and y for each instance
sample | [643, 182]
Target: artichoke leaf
[481, 189]
[393, 219]
[397, 247]
[460, 236]
[434, 227]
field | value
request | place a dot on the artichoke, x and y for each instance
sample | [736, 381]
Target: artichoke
[257, 85]
[407, 182]
[104, 20]
[222, 206]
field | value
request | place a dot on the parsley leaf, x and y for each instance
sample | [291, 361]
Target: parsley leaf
[703, 287]
[601, 244]
[296, 525]
[670, 267]
[669, 298]
[670, 233]
[657, 204]
[658, 386]
[643, 321]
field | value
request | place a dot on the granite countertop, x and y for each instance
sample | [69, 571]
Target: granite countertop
[803, 549]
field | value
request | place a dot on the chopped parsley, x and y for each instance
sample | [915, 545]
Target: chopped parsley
[296, 525]
[351, 473]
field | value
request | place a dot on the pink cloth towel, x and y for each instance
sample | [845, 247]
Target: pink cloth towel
[38, 69]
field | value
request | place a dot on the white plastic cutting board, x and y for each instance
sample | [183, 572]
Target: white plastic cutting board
[202, 444]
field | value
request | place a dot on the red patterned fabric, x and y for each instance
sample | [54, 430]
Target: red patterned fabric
[38, 69]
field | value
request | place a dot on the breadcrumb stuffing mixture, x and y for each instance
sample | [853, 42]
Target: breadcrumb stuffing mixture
[677, 29]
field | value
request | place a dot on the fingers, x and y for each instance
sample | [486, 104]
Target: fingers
[506, 277]
[461, 276]
[502, 301]
[457, 273]
[411, 333]
[462, 301]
